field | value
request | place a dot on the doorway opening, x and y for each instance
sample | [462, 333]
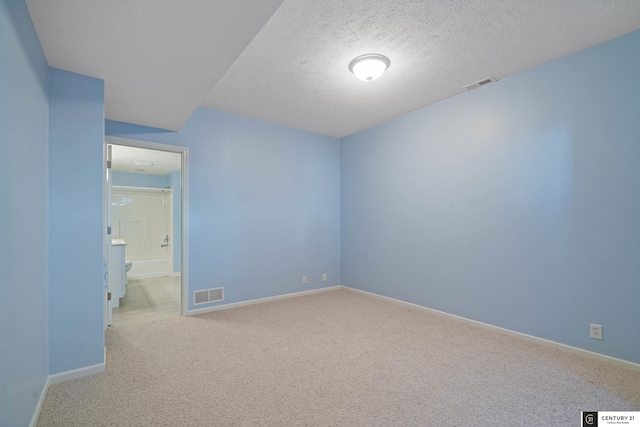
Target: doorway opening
[146, 232]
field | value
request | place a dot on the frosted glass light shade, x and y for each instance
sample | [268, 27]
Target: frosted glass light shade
[369, 67]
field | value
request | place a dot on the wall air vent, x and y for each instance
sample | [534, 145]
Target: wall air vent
[208, 295]
[479, 84]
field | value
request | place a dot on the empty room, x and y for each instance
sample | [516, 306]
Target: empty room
[320, 213]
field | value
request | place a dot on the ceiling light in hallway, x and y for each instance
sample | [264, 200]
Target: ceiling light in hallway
[369, 67]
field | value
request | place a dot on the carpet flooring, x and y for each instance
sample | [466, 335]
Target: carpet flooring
[336, 358]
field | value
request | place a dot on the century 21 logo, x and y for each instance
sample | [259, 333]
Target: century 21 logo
[590, 419]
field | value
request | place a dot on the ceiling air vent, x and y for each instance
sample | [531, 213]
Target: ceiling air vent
[480, 83]
[208, 295]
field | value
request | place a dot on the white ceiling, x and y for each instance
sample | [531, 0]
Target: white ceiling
[287, 63]
[141, 160]
[158, 58]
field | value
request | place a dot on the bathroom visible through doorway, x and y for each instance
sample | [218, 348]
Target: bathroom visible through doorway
[145, 214]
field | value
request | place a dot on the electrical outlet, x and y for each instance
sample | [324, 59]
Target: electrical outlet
[324, 277]
[304, 280]
[596, 331]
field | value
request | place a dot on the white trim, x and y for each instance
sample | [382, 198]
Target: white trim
[66, 376]
[178, 274]
[563, 347]
[36, 413]
[77, 373]
[184, 216]
[139, 143]
[259, 300]
[184, 183]
[598, 356]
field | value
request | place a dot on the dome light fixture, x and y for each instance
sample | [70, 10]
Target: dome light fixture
[369, 67]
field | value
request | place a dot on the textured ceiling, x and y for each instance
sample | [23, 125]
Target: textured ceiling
[295, 71]
[160, 59]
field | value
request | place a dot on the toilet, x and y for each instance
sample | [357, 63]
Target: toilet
[127, 266]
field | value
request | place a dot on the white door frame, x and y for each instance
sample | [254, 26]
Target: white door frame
[184, 204]
[106, 230]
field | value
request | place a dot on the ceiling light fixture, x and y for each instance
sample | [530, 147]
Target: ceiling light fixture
[369, 67]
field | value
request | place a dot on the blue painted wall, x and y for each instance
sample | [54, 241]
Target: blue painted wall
[139, 180]
[24, 123]
[76, 135]
[24, 275]
[515, 205]
[264, 204]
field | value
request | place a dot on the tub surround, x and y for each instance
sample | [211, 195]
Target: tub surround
[143, 218]
[149, 268]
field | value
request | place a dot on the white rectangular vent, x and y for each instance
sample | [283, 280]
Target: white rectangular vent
[208, 295]
[480, 83]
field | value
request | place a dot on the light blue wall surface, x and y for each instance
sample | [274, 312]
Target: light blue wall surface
[516, 205]
[76, 135]
[24, 128]
[139, 180]
[174, 182]
[264, 204]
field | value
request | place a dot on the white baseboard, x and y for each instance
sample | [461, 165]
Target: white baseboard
[259, 300]
[65, 376]
[178, 274]
[36, 413]
[77, 373]
[563, 347]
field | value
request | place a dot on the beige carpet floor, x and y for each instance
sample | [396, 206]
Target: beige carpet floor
[337, 358]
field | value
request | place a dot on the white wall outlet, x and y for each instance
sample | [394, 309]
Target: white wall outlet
[596, 331]
[324, 277]
[304, 280]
